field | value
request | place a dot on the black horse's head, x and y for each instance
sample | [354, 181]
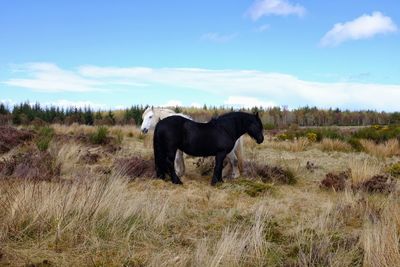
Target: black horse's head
[255, 129]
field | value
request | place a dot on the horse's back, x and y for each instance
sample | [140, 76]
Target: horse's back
[170, 128]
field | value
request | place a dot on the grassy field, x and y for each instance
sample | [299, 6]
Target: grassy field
[68, 199]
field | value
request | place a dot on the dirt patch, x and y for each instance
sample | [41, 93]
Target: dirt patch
[90, 158]
[37, 165]
[136, 167]
[335, 181]
[310, 166]
[377, 184]
[11, 137]
[268, 173]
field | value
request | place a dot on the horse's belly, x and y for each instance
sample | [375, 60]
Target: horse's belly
[199, 152]
[204, 144]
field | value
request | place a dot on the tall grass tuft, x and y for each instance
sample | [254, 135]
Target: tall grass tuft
[386, 149]
[328, 144]
[363, 170]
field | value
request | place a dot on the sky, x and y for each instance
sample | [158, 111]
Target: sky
[243, 53]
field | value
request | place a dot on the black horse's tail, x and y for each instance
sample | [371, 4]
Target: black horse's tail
[159, 154]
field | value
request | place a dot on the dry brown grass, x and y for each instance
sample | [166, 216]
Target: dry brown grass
[328, 144]
[363, 169]
[387, 149]
[67, 156]
[380, 237]
[297, 145]
[89, 218]
[75, 129]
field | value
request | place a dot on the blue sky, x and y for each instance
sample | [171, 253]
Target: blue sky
[112, 54]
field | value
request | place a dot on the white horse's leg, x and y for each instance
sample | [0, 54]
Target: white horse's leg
[239, 153]
[179, 163]
[233, 161]
[227, 170]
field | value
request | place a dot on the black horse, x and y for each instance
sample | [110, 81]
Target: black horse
[214, 138]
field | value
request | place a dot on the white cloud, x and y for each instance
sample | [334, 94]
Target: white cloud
[172, 103]
[7, 102]
[107, 72]
[48, 77]
[263, 28]
[364, 27]
[279, 88]
[262, 8]
[196, 105]
[119, 107]
[216, 37]
[282, 89]
[247, 102]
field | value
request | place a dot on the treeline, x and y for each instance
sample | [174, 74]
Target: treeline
[312, 116]
[276, 117]
[25, 113]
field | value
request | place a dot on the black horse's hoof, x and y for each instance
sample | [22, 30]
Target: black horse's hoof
[214, 183]
[177, 182]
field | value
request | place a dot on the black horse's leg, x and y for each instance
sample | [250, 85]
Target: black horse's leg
[171, 167]
[217, 176]
[160, 174]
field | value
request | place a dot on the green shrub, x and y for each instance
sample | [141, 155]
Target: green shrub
[252, 188]
[355, 144]
[331, 133]
[99, 136]
[394, 169]
[316, 134]
[312, 137]
[378, 133]
[44, 138]
[285, 136]
[268, 126]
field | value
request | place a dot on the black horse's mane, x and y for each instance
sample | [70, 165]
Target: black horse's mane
[235, 114]
[229, 115]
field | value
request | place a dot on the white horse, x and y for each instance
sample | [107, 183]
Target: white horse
[151, 116]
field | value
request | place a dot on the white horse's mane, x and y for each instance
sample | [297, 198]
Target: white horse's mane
[164, 112]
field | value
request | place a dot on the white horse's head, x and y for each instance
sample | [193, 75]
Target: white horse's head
[150, 118]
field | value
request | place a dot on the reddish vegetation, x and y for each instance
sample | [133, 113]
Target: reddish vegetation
[251, 169]
[11, 137]
[33, 166]
[136, 167]
[377, 184]
[335, 181]
[90, 158]
[268, 173]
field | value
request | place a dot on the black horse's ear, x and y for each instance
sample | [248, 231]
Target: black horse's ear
[256, 114]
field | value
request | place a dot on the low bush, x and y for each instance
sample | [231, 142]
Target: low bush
[99, 136]
[355, 144]
[378, 133]
[394, 169]
[44, 138]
